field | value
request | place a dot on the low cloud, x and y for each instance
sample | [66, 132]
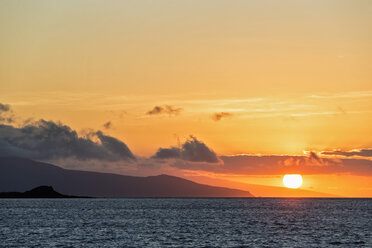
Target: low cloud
[47, 140]
[279, 165]
[360, 152]
[192, 150]
[220, 115]
[165, 109]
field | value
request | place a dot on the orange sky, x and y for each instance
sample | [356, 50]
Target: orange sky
[243, 77]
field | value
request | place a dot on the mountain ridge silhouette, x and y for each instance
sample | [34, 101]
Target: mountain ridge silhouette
[20, 174]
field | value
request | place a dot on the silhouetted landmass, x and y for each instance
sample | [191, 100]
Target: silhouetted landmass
[38, 192]
[18, 175]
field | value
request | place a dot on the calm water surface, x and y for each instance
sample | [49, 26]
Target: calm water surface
[186, 222]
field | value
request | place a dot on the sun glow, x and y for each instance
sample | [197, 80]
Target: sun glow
[292, 181]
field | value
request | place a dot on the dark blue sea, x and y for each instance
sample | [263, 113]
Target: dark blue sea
[243, 222]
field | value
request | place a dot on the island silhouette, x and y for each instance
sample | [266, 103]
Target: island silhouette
[38, 192]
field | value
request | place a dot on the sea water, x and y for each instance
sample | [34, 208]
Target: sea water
[208, 222]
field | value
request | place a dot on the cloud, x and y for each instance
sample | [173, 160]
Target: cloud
[192, 150]
[220, 115]
[165, 109]
[4, 107]
[165, 153]
[115, 146]
[46, 140]
[54, 142]
[358, 152]
[6, 114]
[107, 125]
[355, 94]
[303, 162]
[280, 165]
[195, 155]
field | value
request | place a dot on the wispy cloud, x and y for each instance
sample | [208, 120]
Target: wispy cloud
[107, 125]
[220, 115]
[164, 109]
[367, 152]
[354, 94]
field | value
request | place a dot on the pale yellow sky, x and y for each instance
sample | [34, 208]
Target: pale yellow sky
[230, 48]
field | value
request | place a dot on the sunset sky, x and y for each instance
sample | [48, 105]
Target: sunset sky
[229, 93]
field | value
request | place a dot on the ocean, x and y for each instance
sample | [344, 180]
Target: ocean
[183, 222]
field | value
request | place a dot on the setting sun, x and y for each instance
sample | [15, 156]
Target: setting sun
[292, 181]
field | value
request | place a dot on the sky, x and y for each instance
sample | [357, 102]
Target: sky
[229, 93]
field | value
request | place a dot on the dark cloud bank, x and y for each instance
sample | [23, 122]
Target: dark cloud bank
[47, 140]
[50, 140]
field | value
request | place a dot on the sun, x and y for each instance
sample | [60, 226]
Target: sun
[292, 181]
